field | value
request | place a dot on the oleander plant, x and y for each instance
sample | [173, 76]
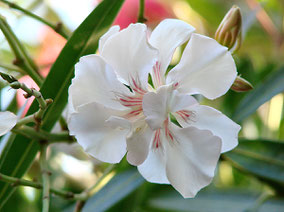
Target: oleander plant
[142, 105]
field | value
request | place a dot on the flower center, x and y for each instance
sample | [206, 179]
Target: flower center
[133, 102]
[158, 78]
[157, 138]
[186, 115]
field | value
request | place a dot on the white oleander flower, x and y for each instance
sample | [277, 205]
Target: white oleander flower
[105, 114]
[101, 107]
[7, 121]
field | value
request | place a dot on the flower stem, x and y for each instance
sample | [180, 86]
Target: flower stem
[45, 178]
[40, 135]
[81, 197]
[43, 104]
[85, 195]
[141, 17]
[22, 60]
[21, 182]
[56, 27]
[11, 68]
[88, 192]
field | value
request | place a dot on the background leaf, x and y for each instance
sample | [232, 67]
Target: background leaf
[118, 188]
[213, 201]
[18, 158]
[262, 158]
[273, 85]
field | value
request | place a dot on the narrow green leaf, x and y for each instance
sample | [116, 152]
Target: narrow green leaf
[262, 158]
[21, 151]
[261, 94]
[117, 189]
[213, 201]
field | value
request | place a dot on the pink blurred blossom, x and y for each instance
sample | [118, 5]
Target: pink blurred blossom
[51, 45]
[155, 11]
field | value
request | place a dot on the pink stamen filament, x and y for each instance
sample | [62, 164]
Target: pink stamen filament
[157, 74]
[184, 114]
[157, 139]
[167, 131]
[137, 88]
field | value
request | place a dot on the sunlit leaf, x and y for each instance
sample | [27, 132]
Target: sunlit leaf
[114, 191]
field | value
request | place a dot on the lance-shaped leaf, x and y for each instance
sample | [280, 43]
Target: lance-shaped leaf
[214, 200]
[273, 85]
[262, 158]
[16, 159]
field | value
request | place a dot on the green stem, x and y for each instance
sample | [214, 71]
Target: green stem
[17, 48]
[79, 206]
[36, 185]
[85, 195]
[56, 27]
[45, 179]
[43, 104]
[81, 198]
[88, 192]
[141, 17]
[41, 135]
[25, 120]
[11, 68]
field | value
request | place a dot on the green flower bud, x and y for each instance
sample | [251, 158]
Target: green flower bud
[229, 31]
[241, 85]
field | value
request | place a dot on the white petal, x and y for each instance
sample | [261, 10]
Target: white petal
[99, 139]
[115, 122]
[180, 101]
[7, 121]
[155, 107]
[95, 81]
[207, 118]
[206, 68]
[167, 36]
[154, 167]
[112, 31]
[129, 53]
[138, 143]
[191, 160]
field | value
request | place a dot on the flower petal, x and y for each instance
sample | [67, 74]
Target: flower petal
[155, 107]
[95, 81]
[180, 101]
[138, 143]
[167, 36]
[207, 118]
[191, 159]
[112, 31]
[101, 140]
[129, 53]
[7, 121]
[154, 167]
[205, 68]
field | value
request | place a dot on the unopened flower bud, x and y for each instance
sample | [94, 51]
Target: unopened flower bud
[8, 78]
[241, 85]
[229, 31]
